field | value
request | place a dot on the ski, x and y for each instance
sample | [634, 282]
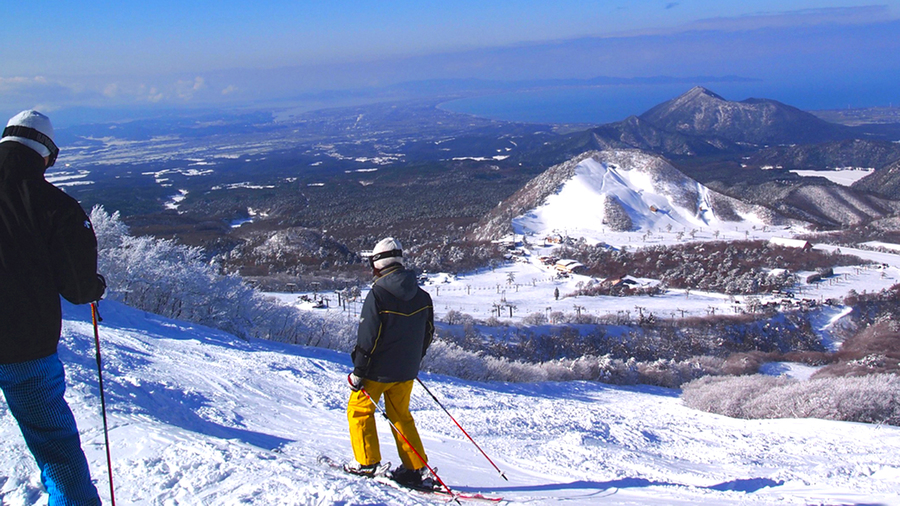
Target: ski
[382, 476]
[443, 494]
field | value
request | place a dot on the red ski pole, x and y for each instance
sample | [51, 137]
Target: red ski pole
[461, 428]
[384, 413]
[95, 316]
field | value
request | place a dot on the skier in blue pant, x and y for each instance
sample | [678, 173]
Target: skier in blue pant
[47, 249]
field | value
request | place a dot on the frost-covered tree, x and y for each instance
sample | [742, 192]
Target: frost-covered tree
[177, 281]
[873, 398]
[615, 216]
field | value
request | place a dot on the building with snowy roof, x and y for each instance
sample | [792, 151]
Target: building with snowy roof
[568, 266]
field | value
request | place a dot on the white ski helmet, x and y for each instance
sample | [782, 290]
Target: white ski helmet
[388, 251]
[34, 130]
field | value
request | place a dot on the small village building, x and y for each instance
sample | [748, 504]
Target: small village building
[568, 266]
[624, 281]
[554, 239]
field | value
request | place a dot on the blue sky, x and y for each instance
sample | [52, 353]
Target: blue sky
[60, 54]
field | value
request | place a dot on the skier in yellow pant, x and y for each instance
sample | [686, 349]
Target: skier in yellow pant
[396, 327]
[363, 436]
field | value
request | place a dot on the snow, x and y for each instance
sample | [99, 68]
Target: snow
[176, 200]
[198, 416]
[63, 178]
[532, 290]
[844, 177]
[789, 369]
[244, 185]
[880, 244]
[650, 192]
[481, 158]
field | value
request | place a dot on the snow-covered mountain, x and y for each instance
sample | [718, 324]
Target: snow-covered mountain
[846, 154]
[752, 121]
[824, 203]
[618, 190]
[700, 122]
[885, 181]
[200, 417]
[637, 133]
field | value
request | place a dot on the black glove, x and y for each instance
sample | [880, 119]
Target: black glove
[356, 382]
[103, 285]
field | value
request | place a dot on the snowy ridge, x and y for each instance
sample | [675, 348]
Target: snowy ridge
[199, 417]
[651, 193]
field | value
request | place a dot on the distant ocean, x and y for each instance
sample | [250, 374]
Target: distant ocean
[606, 104]
[594, 105]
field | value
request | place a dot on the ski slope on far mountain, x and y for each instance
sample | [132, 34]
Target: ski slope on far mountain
[199, 417]
[647, 193]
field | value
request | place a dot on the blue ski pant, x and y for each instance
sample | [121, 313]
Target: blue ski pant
[34, 393]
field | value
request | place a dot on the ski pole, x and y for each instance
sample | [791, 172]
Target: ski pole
[95, 316]
[384, 414]
[463, 430]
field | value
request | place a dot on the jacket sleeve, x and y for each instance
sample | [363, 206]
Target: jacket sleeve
[73, 252]
[429, 329]
[367, 336]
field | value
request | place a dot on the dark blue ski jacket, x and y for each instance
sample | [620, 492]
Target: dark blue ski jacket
[47, 249]
[396, 327]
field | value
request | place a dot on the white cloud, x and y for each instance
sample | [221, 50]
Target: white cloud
[111, 90]
[38, 92]
[803, 17]
[186, 89]
[8, 84]
[155, 95]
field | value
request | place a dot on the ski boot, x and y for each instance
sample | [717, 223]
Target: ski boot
[361, 470]
[420, 479]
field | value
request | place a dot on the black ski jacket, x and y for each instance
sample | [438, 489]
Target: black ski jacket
[396, 327]
[47, 249]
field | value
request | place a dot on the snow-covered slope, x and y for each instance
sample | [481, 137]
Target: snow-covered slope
[629, 190]
[201, 417]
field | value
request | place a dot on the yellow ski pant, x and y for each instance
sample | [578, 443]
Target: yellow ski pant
[363, 434]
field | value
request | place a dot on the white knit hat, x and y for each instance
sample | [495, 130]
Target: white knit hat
[34, 130]
[388, 251]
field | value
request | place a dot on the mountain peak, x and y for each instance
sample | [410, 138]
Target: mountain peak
[697, 92]
[616, 190]
[700, 112]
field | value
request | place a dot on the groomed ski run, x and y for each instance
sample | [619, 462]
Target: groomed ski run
[195, 415]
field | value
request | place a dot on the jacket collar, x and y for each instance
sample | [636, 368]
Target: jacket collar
[20, 162]
[388, 270]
